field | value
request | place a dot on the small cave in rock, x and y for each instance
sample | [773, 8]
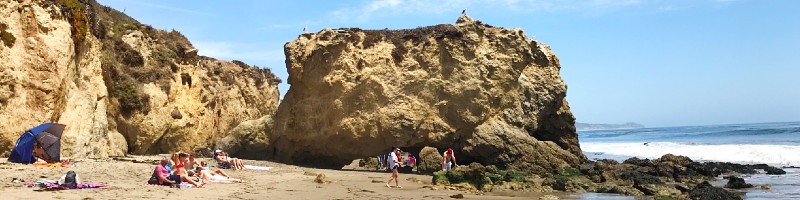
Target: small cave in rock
[186, 79]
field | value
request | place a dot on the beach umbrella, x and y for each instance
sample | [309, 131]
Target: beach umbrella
[48, 135]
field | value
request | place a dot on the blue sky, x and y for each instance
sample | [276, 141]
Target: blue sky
[655, 62]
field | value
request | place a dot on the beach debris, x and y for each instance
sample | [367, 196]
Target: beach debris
[766, 187]
[137, 160]
[17, 180]
[322, 179]
[457, 196]
[377, 181]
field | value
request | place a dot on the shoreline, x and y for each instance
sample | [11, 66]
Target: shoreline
[125, 177]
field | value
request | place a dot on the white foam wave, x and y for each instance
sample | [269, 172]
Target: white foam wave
[779, 155]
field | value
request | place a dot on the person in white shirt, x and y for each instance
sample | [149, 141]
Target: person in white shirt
[394, 163]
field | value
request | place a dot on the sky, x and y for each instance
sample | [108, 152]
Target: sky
[655, 62]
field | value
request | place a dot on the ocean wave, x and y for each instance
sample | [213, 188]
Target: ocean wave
[779, 155]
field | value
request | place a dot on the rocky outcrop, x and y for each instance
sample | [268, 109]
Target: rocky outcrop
[490, 93]
[635, 177]
[670, 175]
[119, 86]
[429, 161]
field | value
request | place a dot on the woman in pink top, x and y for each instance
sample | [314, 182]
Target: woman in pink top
[165, 178]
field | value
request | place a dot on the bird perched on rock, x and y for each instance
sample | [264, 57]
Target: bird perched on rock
[464, 12]
[305, 29]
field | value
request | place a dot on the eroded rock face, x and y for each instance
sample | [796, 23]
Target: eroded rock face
[491, 94]
[118, 84]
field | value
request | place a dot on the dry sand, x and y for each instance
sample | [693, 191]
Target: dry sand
[126, 177]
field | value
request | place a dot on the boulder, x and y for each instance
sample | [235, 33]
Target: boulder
[736, 183]
[704, 191]
[774, 170]
[245, 138]
[675, 159]
[429, 161]
[490, 93]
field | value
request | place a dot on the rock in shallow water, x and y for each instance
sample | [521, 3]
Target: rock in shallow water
[704, 191]
[736, 183]
[774, 170]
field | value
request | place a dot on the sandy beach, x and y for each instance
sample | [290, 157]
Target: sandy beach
[126, 177]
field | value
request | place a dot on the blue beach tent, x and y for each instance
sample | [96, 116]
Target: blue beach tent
[47, 135]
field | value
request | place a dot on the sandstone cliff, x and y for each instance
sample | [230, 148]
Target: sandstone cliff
[490, 93]
[119, 86]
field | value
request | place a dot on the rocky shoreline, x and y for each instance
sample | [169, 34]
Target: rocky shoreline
[668, 177]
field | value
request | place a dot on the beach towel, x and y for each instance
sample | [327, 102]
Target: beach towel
[50, 165]
[221, 179]
[257, 167]
[53, 185]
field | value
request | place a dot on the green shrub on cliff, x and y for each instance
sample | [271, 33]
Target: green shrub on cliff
[127, 92]
[78, 18]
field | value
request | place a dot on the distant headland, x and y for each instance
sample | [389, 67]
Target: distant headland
[588, 127]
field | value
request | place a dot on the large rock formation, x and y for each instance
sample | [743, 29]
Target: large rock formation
[490, 93]
[119, 86]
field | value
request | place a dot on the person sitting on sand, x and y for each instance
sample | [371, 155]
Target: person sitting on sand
[448, 160]
[177, 163]
[394, 163]
[228, 162]
[210, 176]
[204, 166]
[180, 167]
[190, 162]
[167, 179]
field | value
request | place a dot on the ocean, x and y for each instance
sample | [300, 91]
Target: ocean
[776, 144]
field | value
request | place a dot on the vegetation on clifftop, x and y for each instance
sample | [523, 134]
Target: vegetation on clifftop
[76, 13]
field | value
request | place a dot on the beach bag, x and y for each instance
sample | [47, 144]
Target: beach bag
[70, 181]
[153, 179]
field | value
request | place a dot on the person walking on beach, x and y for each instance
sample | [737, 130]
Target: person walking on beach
[448, 160]
[394, 163]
